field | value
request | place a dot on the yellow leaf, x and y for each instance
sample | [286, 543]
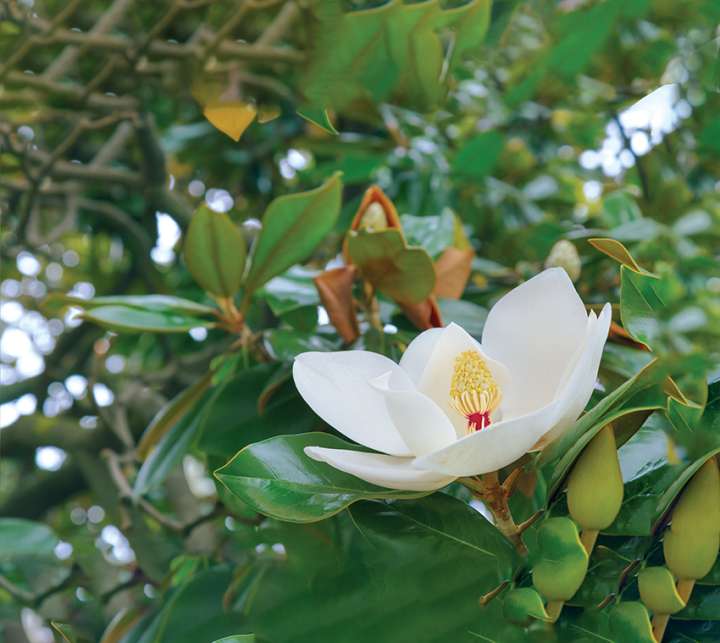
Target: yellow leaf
[231, 118]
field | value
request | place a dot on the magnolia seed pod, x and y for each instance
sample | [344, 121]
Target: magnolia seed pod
[658, 591]
[565, 255]
[595, 486]
[691, 543]
[562, 562]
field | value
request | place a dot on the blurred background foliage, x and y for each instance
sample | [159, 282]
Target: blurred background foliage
[568, 120]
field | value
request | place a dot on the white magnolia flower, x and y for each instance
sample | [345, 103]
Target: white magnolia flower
[455, 407]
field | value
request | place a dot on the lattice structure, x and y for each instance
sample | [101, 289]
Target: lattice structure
[75, 75]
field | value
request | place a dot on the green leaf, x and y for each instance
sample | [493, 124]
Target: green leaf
[293, 226]
[170, 414]
[237, 638]
[391, 52]
[561, 562]
[317, 116]
[233, 419]
[619, 208]
[641, 305]
[625, 402]
[156, 303]
[477, 157]
[27, 555]
[66, 632]
[215, 252]
[409, 571]
[433, 233]
[703, 605]
[402, 273]
[129, 319]
[276, 478]
[173, 445]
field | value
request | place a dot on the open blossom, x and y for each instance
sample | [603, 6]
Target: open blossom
[454, 407]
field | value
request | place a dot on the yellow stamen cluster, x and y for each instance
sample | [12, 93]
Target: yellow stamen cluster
[473, 389]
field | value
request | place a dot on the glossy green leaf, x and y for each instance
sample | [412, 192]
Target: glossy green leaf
[130, 319]
[561, 562]
[276, 478]
[170, 414]
[27, 555]
[703, 605]
[293, 226]
[233, 419]
[173, 445]
[168, 304]
[434, 233]
[641, 305]
[318, 116]
[215, 252]
[237, 638]
[410, 570]
[403, 273]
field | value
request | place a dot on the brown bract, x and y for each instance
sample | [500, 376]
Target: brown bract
[335, 290]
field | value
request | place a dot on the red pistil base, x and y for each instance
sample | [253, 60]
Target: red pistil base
[479, 421]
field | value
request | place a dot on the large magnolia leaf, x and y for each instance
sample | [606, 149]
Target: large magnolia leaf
[276, 478]
[409, 571]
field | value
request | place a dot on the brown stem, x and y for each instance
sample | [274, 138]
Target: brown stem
[495, 497]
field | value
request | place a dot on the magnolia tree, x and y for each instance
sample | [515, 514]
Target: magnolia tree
[350, 322]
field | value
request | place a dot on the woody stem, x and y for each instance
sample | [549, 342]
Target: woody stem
[495, 497]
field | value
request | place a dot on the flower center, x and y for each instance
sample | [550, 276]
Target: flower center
[473, 390]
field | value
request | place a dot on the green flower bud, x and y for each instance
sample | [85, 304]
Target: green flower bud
[691, 543]
[595, 486]
[565, 255]
[658, 591]
[563, 561]
[631, 622]
[522, 605]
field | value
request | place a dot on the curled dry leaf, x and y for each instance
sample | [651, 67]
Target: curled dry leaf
[452, 271]
[425, 314]
[335, 290]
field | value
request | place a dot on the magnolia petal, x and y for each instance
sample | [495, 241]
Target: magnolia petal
[336, 386]
[423, 426]
[536, 331]
[492, 448]
[438, 372]
[382, 470]
[577, 386]
[417, 354]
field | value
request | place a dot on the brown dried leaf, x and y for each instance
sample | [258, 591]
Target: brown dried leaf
[335, 289]
[452, 270]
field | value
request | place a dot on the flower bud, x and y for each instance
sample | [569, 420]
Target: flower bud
[563, 561]
[522, 605]
[691, 543]
[658, 591]
[630, 622]
[564, 255]
[374, 218]
[595, 486]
